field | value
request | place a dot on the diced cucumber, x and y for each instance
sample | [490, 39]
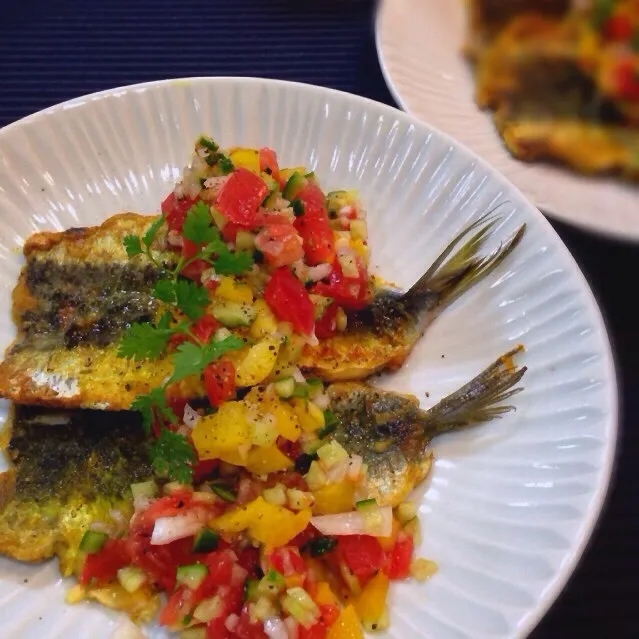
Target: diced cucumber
[270, 201]
[335, 200]
[192, 575]
[300, 390]
[314, 384]
[293, 186]
[206, 540]
[244, 241]
[331, 422]
[232, 314]
[285, 174]
[366, 504]
[298, 603]
[209, 609]
[311, 446]
[194, 633]
[271, 584]
[250, 589]
[275, 495]
[144, 489]
[224, 492]
[332, 453]
[310, 175]
[298, 207]
[92, 541]
[315, 477]
[131, 578]
[271, 184]
[285, 387]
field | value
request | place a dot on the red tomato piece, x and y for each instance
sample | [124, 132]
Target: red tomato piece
[247, 630]
[176, 608]
[204, 328]
[289, 301]
[175, 210]
[219, 381]
[317, 237]
[618, 28]
[229, 231]
[329, 614]
[287, 561]
[216, 629]
[349, 292]
[318, 631]
[627, 76]
[363, 555]
[268, 163]
[240, 197]
[161, 562]
[398, 564]
[177, 404]
[249, 559]
[204, 469]
[280, 244]
[102, 566]
[326, 325]
[169, 506]
[312, 197]
[193, 270]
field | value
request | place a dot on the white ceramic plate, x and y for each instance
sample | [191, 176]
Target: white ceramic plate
[419, 44]
[510, 505]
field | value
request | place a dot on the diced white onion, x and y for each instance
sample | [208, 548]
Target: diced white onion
[274, 628]
[141, 503]
[126, 629]
[300, 269]
[291, 627]
[337, 472]
[354, 467]
[355, 523]
[174, 238]
[231, 622]
[319, 272]
[238, 575]
[215, 183]
[168, 529]
[209, 275]
[297, 375]
[321, 400]
[191, 416]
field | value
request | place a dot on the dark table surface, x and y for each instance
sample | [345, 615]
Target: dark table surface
[52, 51]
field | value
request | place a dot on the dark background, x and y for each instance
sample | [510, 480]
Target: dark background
[51, 51]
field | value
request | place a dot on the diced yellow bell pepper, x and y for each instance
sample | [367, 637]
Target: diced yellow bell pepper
[230, 289]
[225, 431]
[310, 417]
[371, 602]
[261, 461]
[267, 524]
[286, 421]
[265, 323]
[291, 351]
[324, 595]
[347, 626]
[334, 498]
[246, 158]
[258, 363]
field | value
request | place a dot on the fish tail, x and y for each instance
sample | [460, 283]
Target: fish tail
[453, 273]
[480, 400]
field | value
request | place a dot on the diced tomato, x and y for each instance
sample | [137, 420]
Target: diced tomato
[204, 469]
[193, 270]
[168, 506]
[161, 562]
[268, 163]
[312, 197]
[329, 614]
[219, 381]
[317, 237]
[287, 561]
[232, 600]
[363, 555]
[627, 79]
[229, 231]
[289, 301]
[618, 28]
[318, 631]
[216, 629]
[204, 328]
[240, 197]
[177, 405]
[220, 567]
[265, 218]
[247, 630]
[176, 608]
[175, 210]
[398, 564]
[280, 244]
[289, 448]
[102, 566]
[349, 292]
[326, 325]
[249, 559]
[310, 532]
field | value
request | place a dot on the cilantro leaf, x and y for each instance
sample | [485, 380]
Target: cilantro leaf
[172, 455]
[144, 341]
[229, 263]
[150, 406]
[198, 224]
[132, 245]
[190, 298]
[191, 359]
[225, 165]
[164, 290]
[152, 231]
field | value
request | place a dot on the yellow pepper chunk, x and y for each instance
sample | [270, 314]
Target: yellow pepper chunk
[258, 363]
[334, 498]
[346, 626]
[246, 158]
[371, 602]
[286, 421]
[324, 596]
[226, 431]
[309, 416]
[261, 461]
[267, 524]
[230, 289]
[265, 323]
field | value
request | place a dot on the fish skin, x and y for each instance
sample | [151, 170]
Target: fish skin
[69, 469]
[393, 434]
[382, 335]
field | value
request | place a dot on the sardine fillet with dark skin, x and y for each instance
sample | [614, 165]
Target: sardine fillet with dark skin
[78, 292]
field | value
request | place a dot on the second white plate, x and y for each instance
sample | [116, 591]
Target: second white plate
[419, 46]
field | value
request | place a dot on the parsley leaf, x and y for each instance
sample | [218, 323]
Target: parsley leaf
[132, 245]
[172, 455]
[164, 290]
[190, 359]
[152, 231]
[145, 341]
[229, 263]
[190, 298]
[147, 405]
[198, 225]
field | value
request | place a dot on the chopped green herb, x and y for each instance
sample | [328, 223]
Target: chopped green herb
[198, 225]
[191, 359]
[152, 231]
[151, 406]
[224, 492]
[172, 455]
[208, 144]
[331, 422]
[144, 341]
[190, 298]
[319, 546]
[132, 245]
